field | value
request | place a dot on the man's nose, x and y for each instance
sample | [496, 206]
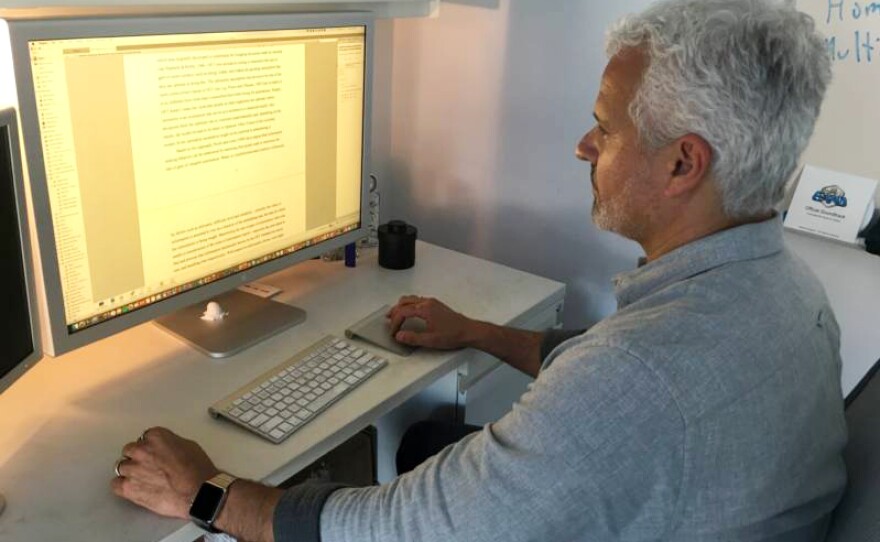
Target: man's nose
[585, 149]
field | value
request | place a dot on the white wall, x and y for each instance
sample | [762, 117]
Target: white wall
[486, 104]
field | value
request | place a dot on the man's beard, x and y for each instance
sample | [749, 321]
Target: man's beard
[604, 212]
[613, 214]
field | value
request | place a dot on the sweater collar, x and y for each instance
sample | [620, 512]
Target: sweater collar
[746, 242]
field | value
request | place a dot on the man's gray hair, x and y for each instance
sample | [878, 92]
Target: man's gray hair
[748, 76]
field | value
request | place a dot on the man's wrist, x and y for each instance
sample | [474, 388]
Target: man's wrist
[249, 510]
[478, 335]
[516, 347]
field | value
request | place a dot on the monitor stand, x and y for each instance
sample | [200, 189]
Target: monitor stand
[249, 319]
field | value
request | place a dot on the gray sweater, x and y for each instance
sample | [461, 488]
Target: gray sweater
[707, 408]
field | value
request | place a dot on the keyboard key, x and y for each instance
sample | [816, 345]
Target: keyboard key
[259, 420]
[327, 397]
[271, 424]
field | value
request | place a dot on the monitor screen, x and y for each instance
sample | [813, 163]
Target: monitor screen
[19, 339]
[172, 160]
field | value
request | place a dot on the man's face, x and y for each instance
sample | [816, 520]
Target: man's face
[621, 171]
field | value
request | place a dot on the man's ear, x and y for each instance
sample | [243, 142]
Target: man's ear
[689, 162]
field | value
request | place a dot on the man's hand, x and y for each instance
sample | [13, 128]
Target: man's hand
[162, 472]
[445, 328]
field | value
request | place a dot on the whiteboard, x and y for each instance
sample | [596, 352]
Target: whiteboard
[847, 136]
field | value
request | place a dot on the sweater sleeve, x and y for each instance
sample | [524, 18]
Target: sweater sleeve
[297, 515]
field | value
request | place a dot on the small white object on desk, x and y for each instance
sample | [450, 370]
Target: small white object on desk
[214, 312]
[831, 204]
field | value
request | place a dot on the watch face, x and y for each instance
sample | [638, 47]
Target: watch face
[206, 502]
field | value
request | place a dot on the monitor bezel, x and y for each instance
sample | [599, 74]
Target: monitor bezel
[9, 122]
[58, 339]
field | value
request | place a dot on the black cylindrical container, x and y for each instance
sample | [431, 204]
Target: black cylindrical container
[397, 245]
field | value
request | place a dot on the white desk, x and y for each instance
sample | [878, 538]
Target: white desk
[63, 424]
[852, 281]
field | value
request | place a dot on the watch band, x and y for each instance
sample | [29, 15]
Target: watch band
[223, 480]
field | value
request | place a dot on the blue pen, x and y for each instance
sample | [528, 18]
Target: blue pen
[350, 255]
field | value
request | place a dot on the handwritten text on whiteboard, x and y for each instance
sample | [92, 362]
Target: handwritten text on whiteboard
[862, 45]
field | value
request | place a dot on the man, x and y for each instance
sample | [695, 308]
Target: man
[707, 408]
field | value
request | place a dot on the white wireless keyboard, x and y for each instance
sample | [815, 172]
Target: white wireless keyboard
[276, 404]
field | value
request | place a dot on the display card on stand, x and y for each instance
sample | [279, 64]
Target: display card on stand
[831, 204]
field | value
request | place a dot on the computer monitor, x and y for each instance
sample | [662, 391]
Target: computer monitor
[20, 347]
[175, 158]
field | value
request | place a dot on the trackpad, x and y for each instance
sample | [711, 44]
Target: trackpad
[376, 330]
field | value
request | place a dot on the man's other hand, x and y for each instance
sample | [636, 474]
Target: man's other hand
[445, 329]
[162, 472]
